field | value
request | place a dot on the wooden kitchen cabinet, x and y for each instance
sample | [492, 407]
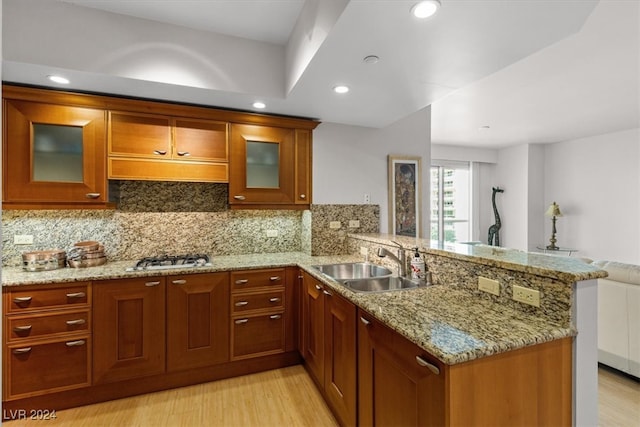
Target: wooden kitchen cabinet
[197, 320]
[163, 148]
[129, 328]
[54, 155]
[330, 347]
[398, 383]
[269, 166]
[47, 339]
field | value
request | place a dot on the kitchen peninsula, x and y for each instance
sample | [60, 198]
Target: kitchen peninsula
[456, 328]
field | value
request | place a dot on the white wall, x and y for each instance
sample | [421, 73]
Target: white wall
[351, 161]
[596, 182]
[511, 175]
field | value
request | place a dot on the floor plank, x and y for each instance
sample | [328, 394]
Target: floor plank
[282, 397]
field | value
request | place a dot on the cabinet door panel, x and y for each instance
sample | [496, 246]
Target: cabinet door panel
[257, 335]
[303, 165]
[313, 325]
[197, 320]
[139, 135]
[24, 183]
[340, 357]
[201, 140]
[393, 388]
[42, 368]
[129, 329]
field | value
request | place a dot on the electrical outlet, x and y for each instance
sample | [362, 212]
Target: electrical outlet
[334, 225]
[354, 223]
[272, 233]
[526, 295]
[489, 285]
[364, 250]
[22, 239]
[367, 198]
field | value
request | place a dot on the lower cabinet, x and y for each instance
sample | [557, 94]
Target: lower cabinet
[329, 347]
[399, 384]
[129, 328]
[197, 320]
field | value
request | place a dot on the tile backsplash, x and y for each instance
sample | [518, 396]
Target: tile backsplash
[158, 218]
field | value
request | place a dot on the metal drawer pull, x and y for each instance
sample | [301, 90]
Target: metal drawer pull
[179, 282]
[326, 292]
[239, 197]
[242, 281]
[184, 153]
[433, 368]
[300, 277]
[20, 300]
[150, 284]
[76, 322]
[241, 321]
[92, 195]
[302, 196]
[274, 278]
[275, 300]
[275, 316]
[365, 321]
[159, 152]
[22, 328]
[77, 295]
[241, 303]
[21, 350]
[318, 287]
[75, 343]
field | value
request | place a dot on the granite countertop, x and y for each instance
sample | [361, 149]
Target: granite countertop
[451, 324]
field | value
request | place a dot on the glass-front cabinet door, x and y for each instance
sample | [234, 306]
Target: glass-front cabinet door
[262, 165]
[53, 154]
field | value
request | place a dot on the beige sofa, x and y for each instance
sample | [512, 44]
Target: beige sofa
[619, 317]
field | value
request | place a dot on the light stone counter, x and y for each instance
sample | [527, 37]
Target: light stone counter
[451, 324]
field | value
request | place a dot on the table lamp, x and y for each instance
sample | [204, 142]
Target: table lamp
[553, 212]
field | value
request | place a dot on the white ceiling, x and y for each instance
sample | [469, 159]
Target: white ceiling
[535, 71]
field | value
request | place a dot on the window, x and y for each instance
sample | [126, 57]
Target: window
[450, 202]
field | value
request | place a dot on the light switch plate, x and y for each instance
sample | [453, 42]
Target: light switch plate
[489, 285]
[335, 225]
[272, 233]
[22, 239]
[354, 223]
[526, 295]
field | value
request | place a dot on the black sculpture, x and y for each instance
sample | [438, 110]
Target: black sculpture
[494, 230]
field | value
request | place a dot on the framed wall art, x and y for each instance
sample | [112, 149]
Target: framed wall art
[404, 196]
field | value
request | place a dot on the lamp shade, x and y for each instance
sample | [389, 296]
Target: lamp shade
[554, 210]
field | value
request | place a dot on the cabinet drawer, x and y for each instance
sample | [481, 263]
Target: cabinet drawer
[241, 303]
[19, 301]
[159, 170]
[35, 369]
[249, 279]
[257, 335]
[21, 327]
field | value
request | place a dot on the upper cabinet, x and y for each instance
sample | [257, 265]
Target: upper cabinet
[53, 155]
[163, 148]
[270, 167]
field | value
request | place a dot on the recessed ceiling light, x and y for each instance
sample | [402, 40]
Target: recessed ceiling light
[259, 104]
[341, 89]
[425, 9]
[371, 59]
[58, 79]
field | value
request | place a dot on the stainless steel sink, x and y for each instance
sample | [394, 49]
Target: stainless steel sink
[353, 270]
[380, 284]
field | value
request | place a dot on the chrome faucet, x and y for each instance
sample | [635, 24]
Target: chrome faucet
[400, 258]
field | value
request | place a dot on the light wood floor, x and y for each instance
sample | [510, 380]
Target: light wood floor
[283, 397]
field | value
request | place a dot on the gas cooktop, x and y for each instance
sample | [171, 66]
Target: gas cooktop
[165, 262]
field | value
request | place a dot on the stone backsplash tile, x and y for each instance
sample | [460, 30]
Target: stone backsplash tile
[327, 241]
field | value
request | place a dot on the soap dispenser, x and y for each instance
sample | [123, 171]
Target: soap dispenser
[417, 265]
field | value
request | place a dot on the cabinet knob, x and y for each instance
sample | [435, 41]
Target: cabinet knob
[76, 295]
[75, 343]
[274, 278]
[76, 322]
[92, 195]
[241, 303]
[21, 350]
[275, 316]
[179, 282]
[274, 300]
[24, 328]
[150, 284]
[239, 197]
[242, 281]
[433, 368]
[326, 292]
[365, 321]
[183, 153]
[159, 152]
[318, 287]
[241, 321]
[303, 196]
[22, 300]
